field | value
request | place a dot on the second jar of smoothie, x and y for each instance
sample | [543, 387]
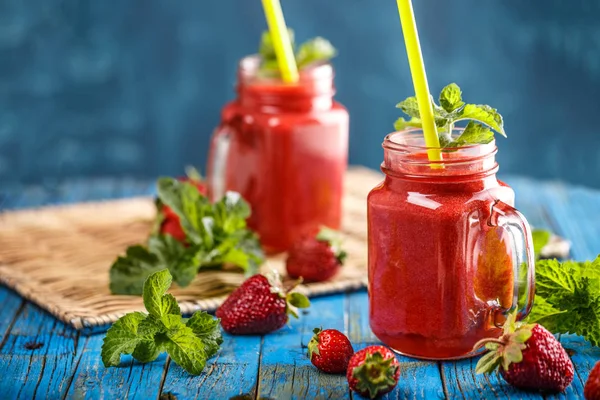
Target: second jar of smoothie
[284, 148]
[449, 256]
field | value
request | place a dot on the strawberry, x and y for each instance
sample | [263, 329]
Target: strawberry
[316, 259]
[330, 350]
[259, 306]
[170, 224]
[373, 371]
[529, 357]
[591, 391]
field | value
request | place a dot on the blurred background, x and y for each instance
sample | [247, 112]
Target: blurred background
[133, 88]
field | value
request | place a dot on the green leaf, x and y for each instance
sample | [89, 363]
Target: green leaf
[488, 363]
[127, 274]
[315, 50]
[451, 97]
[185, 349]
[183, 262]
[189, 205]
[298, 300]
[155, 300]
[266, 49]
[484, 114]
[146, 350]
[474, 133]
[121, 338]
[402, 124]
[540, 239]
[410, 106]
[568, 298]
[208, 329]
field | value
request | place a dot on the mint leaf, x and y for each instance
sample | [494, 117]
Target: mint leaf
[121, 338]
[410, 107]
[452, 109]
[216, 234]
[266, 49]
[474, 133]
[206, 328]
[127, 274]
[146, 350]
[146, 336]
[567, 298]
[185, 349]
[190, 206]
[484, 114]
[401, 124]
[183, 262]
[451, 98]
[540, 239]
[155, 300]
[314, 50]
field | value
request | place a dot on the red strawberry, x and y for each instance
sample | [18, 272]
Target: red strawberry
[530, 358]
[316, 259]
[591, 391]
[170, 224]
[373, 371]
[330, 350]
[259, 306]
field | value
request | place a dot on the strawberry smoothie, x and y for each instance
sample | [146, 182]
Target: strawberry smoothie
[284, 148]
[441, 257]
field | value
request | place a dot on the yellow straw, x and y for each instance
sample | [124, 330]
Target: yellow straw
[417, 70]
[281, 41]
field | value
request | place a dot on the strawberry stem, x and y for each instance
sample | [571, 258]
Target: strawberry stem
[483, 342]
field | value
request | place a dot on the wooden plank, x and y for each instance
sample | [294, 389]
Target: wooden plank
[285, 370]
[232, 372]
[131, 380]
[39, 356]
[418, 379]
[11, 307]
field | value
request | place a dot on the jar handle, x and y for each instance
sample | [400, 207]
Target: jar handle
[521, 242]
[217, 161]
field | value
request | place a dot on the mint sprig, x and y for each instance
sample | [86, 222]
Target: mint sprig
[145, 336]
[567, 298]
[216, 234]
[312, 51]
[483, 120]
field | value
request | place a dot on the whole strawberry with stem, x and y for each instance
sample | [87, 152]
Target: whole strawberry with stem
[373, 371]
[591, 391]
[330, 350]
[529, 357]
[318, 258]
[260, 305]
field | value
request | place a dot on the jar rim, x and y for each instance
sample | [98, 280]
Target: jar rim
[249, 71]
[409, 135]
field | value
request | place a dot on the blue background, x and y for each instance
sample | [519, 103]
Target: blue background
[133, 88]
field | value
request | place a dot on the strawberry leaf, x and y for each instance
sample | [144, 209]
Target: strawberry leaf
[298, 300]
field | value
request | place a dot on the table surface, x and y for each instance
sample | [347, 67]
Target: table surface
[42, 358]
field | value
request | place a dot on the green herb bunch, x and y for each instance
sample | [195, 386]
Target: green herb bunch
[483, 119]
[216, 234]
[189, 342]
[567, 295]
[314, 50]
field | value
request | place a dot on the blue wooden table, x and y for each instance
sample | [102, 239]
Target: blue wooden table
[42, 358]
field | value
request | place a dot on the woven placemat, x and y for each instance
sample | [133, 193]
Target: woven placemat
[59, 257]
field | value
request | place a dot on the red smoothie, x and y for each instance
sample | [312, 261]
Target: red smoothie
[442, 257]
[284, 148]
